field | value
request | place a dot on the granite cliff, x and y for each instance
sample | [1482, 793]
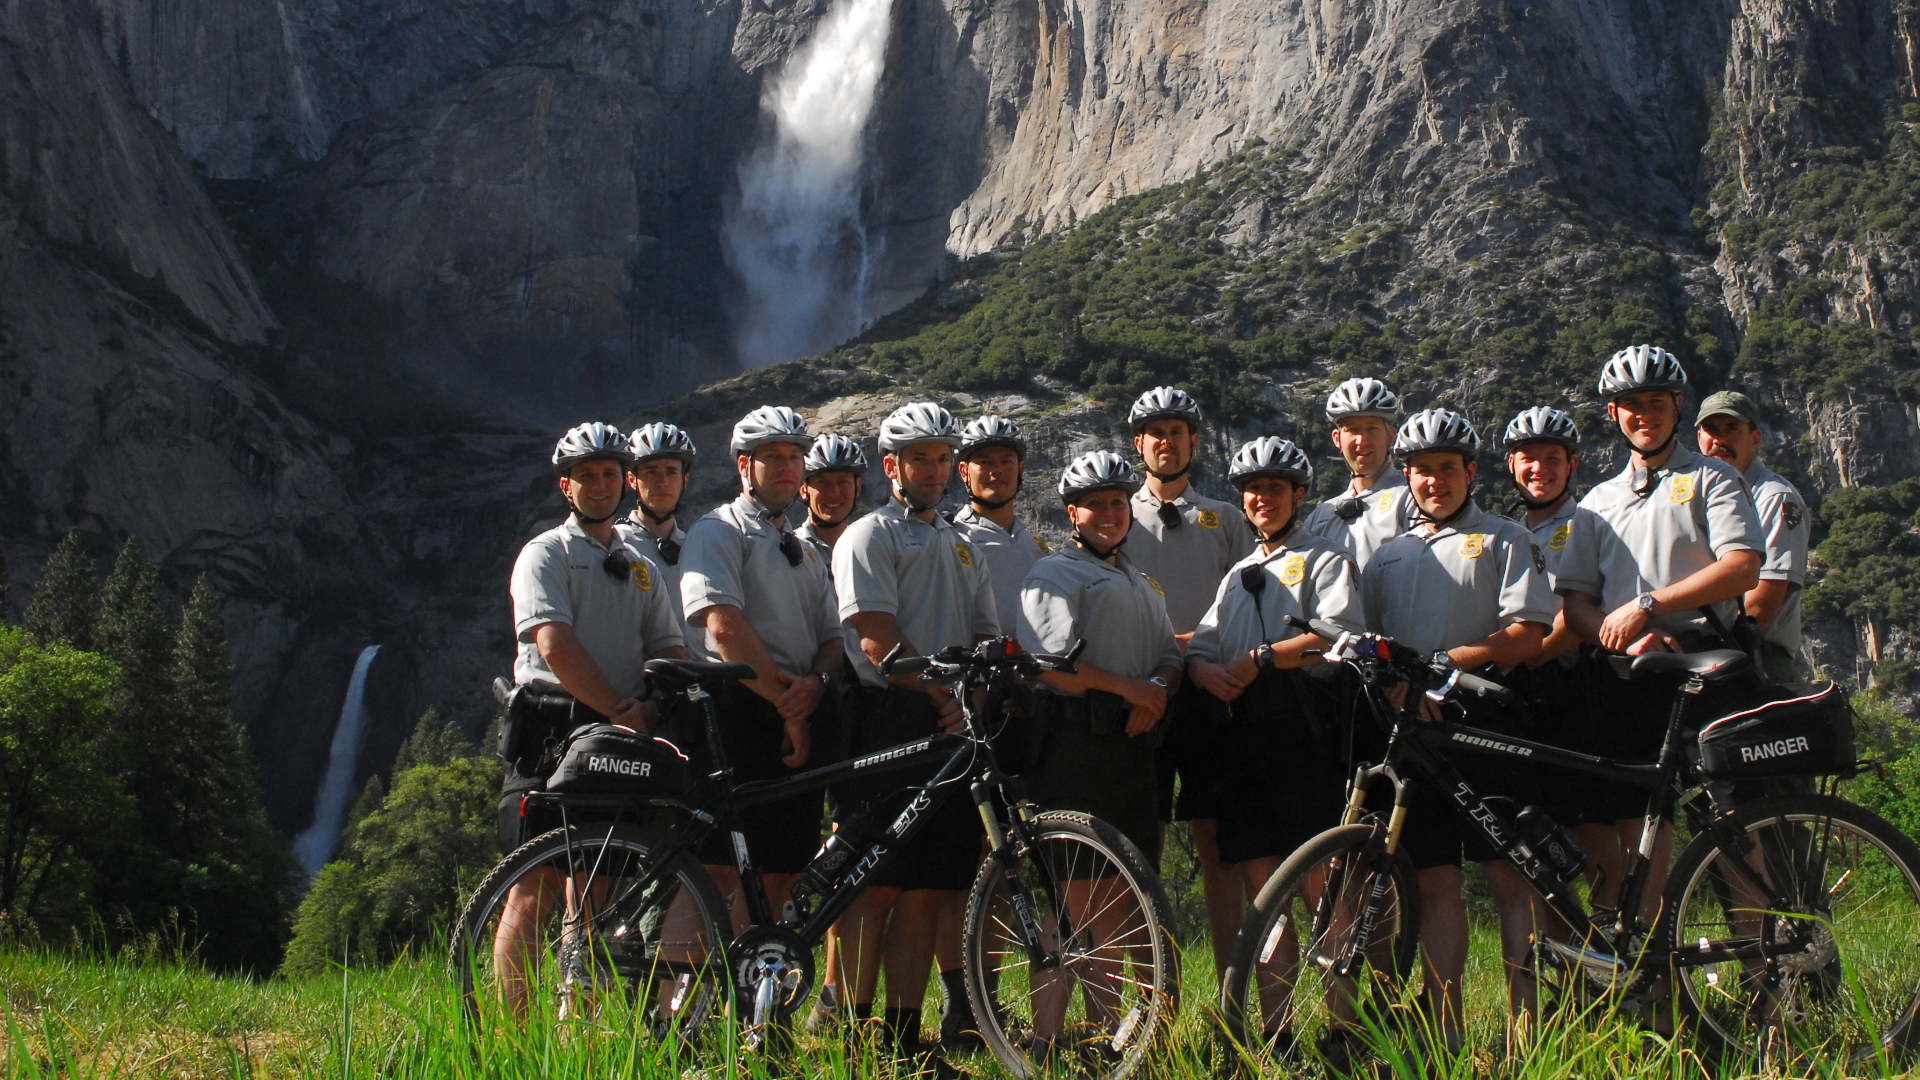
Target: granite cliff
[297, 292]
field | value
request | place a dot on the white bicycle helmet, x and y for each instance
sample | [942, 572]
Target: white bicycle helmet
[1543, 424]
[589, 442]
[770, 424]
[1100, 470]
[1270, 456]
[1436, 429]
[1641, 367]
[1164, 401]
[836, 453]
[919, 422]
[988, 431]
[661, 441]
[1363, 397]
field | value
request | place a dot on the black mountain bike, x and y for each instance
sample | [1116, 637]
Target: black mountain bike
[1070, 957]
[1790, 925]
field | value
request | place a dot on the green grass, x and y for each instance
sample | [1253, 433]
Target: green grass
[84, 1018]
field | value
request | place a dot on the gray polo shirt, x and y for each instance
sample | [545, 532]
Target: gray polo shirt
[649, 546]
[1307, 576]
[1786, 531]
[1010, 555]
[1120, 612]
[1380, 513]
[733, 557]
[1695, 510]
[932, 580]
[1440, 589]
[560, 578]
[820, 547]
[1189, 559]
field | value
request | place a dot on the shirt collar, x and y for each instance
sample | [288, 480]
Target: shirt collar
[974, 517]
[895, 508]
[1287, 542]
[1071, 550]
[573, 528]
[1469, 521]
[1756, 472]
[1682, 459]
[1392, 478]
[751, 509]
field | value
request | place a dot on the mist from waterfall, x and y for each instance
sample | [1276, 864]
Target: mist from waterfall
[317, 844]
[796, 237]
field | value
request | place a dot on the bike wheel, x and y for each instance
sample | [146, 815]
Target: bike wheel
[1833, 971]
[1100, 1010]
[1324, 891]
[595, 926]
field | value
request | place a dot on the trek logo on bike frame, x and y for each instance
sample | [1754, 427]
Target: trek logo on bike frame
[894, 754]
[1504, 748]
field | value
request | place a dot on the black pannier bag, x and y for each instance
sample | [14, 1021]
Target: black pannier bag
[1806, 731]
[607, 759]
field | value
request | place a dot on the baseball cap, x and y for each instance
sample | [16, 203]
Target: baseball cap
[1730, 403]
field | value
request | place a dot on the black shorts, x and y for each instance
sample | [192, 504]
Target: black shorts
[1284, 773]
[1436, 833]
[782, 836]
[946, 852]
[1191, 753]
[1111, 777]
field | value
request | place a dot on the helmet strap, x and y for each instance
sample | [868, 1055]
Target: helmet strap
[822, 523]
[658, 519]
[901, 494]
[1168, 478]
[1539, 504]
[995, 504]
[1080, 541]
[1450, 518]
[585, 520]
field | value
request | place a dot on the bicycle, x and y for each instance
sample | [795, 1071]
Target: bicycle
[1788, 923]
[644, 922]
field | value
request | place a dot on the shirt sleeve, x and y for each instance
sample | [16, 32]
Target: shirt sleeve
[986, 613]
[1524, 593]
[864, 577]
[1336, 593]
[1579, 567]
[1206, 643]
[1047, 615]
[711, 566]
[539, 588]
[1783, 521]
[1732, 524]
[659, 625]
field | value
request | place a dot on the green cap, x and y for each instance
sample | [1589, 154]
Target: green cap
[1730, 403]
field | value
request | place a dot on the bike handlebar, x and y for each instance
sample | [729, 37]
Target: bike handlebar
[994, 653]
[1382, 649]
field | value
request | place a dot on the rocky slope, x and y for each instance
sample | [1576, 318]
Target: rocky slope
[296, 293]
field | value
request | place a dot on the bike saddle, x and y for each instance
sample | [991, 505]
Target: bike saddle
[676, 674]
[1712, 664]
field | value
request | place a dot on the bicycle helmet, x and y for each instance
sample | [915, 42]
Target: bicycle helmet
[1543, 424]
[1099, 470]
[770, 424]
[589, 442]
[836, 453]
[988, 431]
[919, 422]
[1164, 401]
[1270, 457]
[1363, 397]
[1436, 429]
[1641, 367]
[660, 441]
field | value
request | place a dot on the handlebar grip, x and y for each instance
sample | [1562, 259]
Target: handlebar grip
[906, 665]
[887, 661]
[1299, 623]
[1073, 654]
[1487, 688]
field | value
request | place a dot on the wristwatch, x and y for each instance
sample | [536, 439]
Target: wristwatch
[1263, 655]
[1645, 602]
[1160, 682]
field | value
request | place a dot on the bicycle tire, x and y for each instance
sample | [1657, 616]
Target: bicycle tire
[1389, 956]
[675, 988]
[1849, 984]
[1091, 865]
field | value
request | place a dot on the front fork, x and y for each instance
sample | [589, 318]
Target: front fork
[1008, 845]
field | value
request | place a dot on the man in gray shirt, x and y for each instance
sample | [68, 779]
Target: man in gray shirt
[1374, 508]
[663, 458]
[754, 594]
[907, 578]
[1185, 543]
[835, 476]
[1730, 430]
[589, 610]
[993, 462]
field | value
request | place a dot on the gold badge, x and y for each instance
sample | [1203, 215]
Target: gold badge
[966, 555]
[1155, 584]
[1560, 535]
[1385, 504]
[1681, 489]
[1209, 519]
[641, 577]
[1472, 545]
[1042, 545]
[1293, 569]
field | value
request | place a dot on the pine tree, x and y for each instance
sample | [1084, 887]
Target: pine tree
[64, 605]
[434, 742]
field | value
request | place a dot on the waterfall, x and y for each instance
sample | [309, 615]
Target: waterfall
[796, 237]
[316, 845]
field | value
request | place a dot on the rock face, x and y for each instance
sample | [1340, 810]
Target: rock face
[232, 234]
